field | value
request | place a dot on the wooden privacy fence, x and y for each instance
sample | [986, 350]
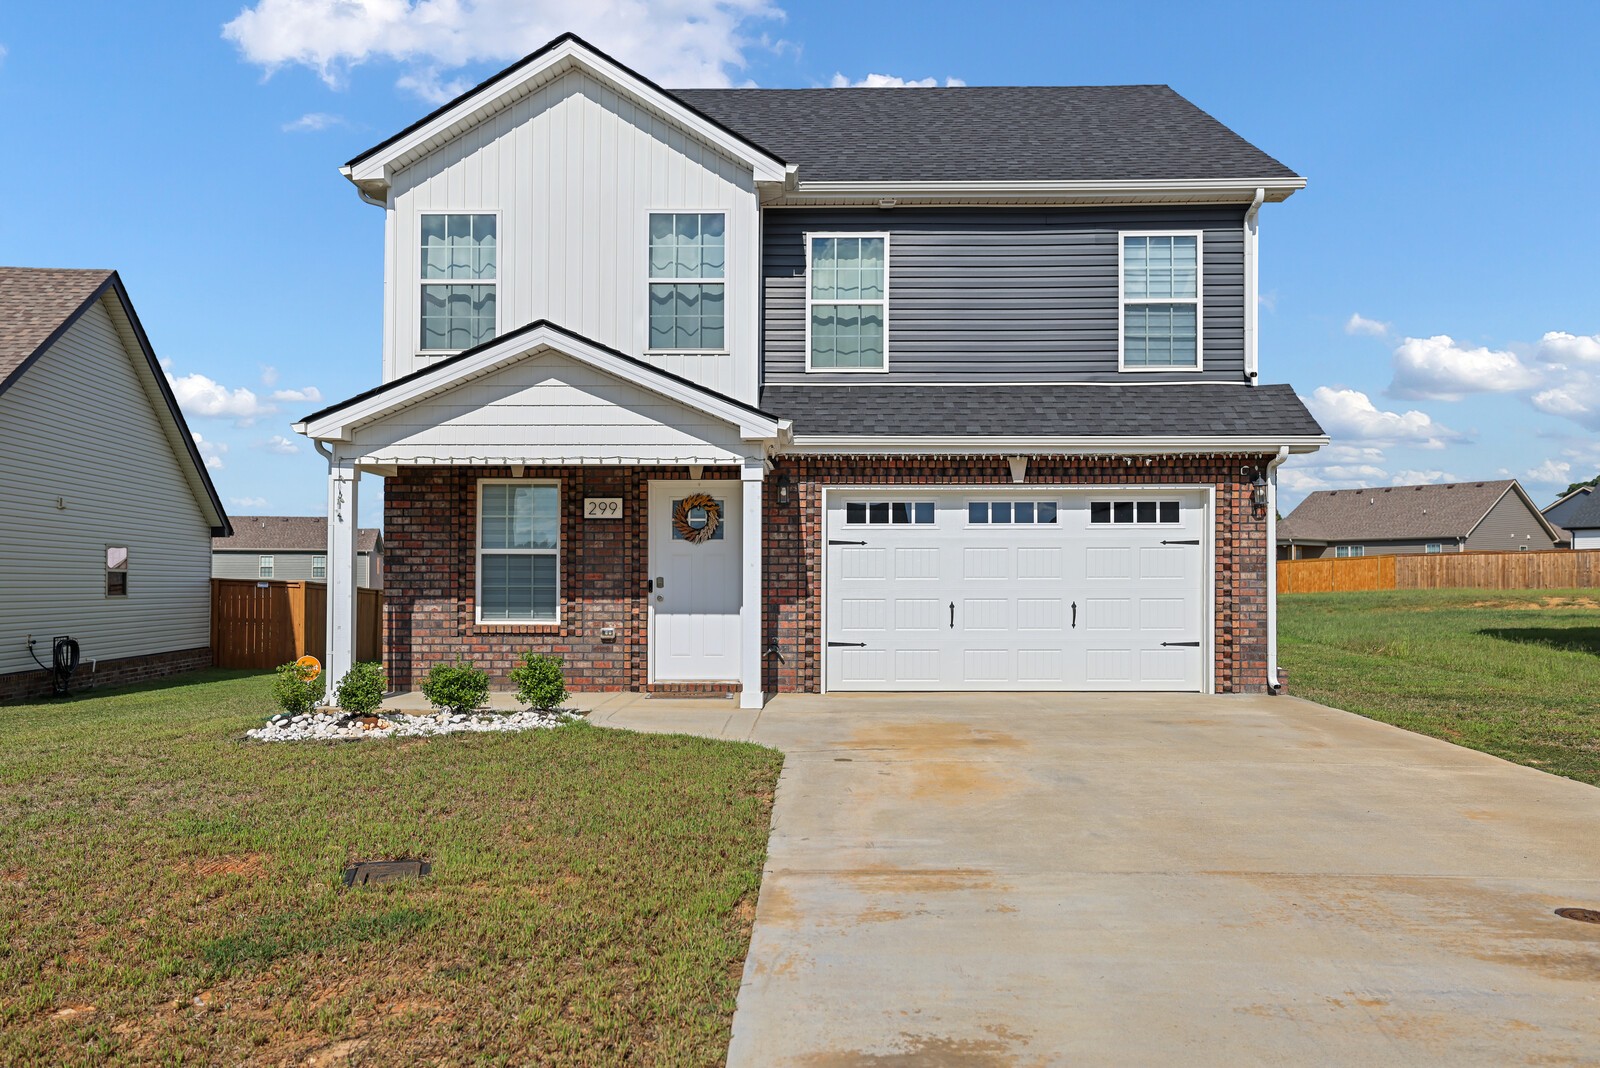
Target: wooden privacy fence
[264, 624]
[1552, 569]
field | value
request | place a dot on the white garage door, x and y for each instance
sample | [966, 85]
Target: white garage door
[995, 588]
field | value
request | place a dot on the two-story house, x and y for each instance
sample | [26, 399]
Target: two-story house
[827, 389]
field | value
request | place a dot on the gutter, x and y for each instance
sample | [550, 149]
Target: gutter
[1252, 288]
[1274, 685]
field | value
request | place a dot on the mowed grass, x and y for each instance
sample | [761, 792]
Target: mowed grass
[170, 893]
[1514, 673]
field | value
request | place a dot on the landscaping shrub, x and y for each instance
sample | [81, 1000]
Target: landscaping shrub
[361, 691]
[459, 687]
[295, 689]
[539, 681]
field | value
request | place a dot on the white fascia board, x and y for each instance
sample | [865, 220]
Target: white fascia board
[879, 444]
[338, 425]
[377, 166]
[1227, 189]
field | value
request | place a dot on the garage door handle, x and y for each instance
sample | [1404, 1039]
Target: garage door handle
[952, 615]
[836, 541]
[1074, 614]
[1195, 541]
[1195, 645]
[848, 645]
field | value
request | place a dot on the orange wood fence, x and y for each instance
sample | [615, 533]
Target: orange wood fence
[264, 624]
[1552, 569]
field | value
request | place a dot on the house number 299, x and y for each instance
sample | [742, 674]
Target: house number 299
[602, 508]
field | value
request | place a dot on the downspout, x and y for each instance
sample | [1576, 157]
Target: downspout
[1252, 289]
[1274, 686]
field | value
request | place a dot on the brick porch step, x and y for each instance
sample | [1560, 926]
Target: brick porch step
[707, 688]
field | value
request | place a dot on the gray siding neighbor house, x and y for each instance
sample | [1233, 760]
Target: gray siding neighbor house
[1578, 514]
[109, 511]
[293, 547]
[1494, 516]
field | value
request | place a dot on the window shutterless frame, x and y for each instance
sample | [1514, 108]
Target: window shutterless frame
[1198, 300]
[418, 282]
[883, 304]
[478, 552]
[651, 279]
[265, 566]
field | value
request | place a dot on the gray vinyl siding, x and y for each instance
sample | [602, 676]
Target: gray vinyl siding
[1380, 548]
[1510, 524]
[80, 427]
[292, 566]
[1001, 295]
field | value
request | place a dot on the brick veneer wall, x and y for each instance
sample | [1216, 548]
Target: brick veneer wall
[123, 672]
[430, 563]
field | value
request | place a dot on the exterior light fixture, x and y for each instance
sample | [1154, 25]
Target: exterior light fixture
[1258, 485]
[783, 489]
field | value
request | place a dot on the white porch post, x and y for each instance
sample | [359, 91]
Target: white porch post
[344, 483]
[750, 603]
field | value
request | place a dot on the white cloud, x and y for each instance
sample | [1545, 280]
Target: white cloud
[281, 445]
[1358, 324]
[679, 43]
[1572, 385]
[210, 451]
[199, 395]
[1558, 346]
[312, 121]
[890, 81]
[308, 395]
[1412, 477]
[1300, 479]
[248, 502]
[1350, 414]
[1551, 472]
[1438, 368]
[269, 375]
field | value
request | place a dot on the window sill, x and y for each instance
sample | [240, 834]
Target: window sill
[687, 352]
[847, 370]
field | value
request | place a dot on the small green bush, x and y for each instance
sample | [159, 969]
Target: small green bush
[459, 687]
[361, 690]
[539, 681]
[295, 689]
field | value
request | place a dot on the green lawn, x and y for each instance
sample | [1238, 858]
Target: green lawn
[1513, 673]
[169, 893]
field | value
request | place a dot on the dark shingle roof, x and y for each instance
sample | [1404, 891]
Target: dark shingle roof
[988, 133]
[1209, 410]
[1584, 513]
[35, 303]
[1391, 513]
[287, 533]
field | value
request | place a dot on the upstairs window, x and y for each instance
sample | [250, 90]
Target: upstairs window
[116, 571]
[688, 264]
[319, 567]
[847, 302]
[265, 566]
[459, 267]
[1161, 313]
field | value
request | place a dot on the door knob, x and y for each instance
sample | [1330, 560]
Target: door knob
[660, 599]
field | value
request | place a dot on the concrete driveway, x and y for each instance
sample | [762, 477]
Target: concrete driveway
[965, 880]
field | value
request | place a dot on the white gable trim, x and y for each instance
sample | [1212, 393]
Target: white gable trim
[372, 172]
[339, 423]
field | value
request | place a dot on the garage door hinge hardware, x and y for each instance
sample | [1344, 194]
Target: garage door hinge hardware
[849, 645]
[836, 541]
[1194, 644]
[1195, 541]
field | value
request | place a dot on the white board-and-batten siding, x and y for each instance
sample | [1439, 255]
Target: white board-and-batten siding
[546, 408]
[574, 171]
[79, 427]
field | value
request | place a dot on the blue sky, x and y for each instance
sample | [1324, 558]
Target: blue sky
[1432, 293]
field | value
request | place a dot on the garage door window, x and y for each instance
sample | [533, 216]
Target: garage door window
[897, 513]
[991, 512]
[1135, 513]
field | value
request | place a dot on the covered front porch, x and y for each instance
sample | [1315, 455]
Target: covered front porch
[544, 493]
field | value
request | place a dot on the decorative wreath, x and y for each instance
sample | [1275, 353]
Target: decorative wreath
[680, 518]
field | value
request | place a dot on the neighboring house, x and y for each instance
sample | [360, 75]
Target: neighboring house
[1578, 515]
[752, 390]
[1455, 517]
[109, 511]
[291, 547]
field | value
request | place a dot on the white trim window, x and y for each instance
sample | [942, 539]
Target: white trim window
[519, 551]
[1160, 317]
[458, 260]
[265, 566]
[1345, 551]
[688, 268]
[116, 571]
[1433, 547]
[847, 302]
[319, 567]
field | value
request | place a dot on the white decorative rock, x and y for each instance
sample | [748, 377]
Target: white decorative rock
[323, 727]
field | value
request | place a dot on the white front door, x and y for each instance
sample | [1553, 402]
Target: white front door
[694, 587]
[1012, 588]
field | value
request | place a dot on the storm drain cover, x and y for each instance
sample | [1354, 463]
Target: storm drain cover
[369, 872]
[1583, 915]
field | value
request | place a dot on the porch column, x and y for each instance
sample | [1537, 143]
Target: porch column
[344, 483]
[750, 605]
